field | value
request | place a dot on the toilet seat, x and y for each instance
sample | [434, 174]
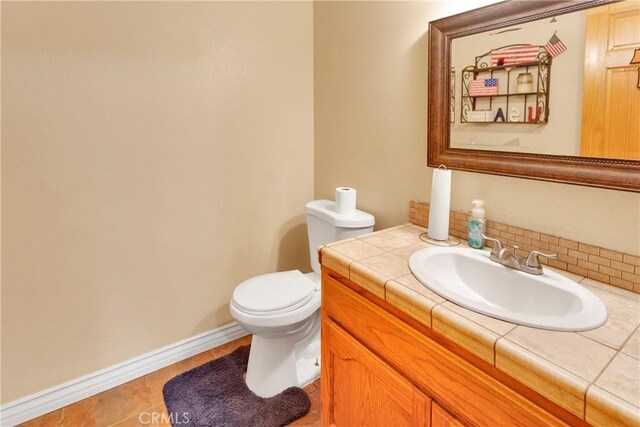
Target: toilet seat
[273, 293]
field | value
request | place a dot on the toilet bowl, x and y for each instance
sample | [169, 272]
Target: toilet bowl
[282, 309]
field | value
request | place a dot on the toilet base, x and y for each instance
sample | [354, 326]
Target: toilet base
[277, 363]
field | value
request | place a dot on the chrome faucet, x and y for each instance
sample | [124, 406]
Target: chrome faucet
[509, 258]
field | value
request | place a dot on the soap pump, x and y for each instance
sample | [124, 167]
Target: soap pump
[477, 225]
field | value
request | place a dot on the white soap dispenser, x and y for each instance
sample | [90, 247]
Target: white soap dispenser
[477, 225]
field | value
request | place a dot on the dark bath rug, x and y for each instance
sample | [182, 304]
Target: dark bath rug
[215, 394]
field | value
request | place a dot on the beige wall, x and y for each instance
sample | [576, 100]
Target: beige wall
[154, 156]
[370, 131]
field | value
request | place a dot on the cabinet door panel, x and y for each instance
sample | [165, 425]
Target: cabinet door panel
[441, 418]
[362, 390]
[611, 100]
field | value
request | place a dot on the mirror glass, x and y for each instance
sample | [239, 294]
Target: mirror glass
[562, 86]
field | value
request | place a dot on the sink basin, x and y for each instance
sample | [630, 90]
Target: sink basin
[470, 279]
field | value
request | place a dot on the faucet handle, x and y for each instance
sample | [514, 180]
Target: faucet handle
[532, 259]
[497, 245]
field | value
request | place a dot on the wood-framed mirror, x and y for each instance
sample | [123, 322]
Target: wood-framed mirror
[510, 156]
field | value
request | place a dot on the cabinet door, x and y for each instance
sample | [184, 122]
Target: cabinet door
[360, 389]
[441, 418]
[611, 98]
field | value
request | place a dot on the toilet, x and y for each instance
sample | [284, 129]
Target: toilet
[282, 310]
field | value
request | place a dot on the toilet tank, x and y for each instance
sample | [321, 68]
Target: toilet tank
[325, 225]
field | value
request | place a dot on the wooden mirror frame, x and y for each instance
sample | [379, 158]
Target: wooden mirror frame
[591, 171]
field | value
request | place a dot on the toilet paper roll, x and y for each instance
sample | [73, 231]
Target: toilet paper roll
[439, 205]
[345, 200]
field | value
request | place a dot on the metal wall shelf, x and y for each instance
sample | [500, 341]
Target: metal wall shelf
[538, 100]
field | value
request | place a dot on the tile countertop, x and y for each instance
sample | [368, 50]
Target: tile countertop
[593, 374]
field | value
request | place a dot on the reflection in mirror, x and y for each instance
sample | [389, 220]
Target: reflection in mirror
[562, 86]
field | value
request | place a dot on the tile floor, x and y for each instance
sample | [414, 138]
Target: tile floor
[137, 402]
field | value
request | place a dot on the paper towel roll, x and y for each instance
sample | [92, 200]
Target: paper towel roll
[345, 200]
[439, 205]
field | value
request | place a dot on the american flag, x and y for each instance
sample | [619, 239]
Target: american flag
[483, 87]
[515, 55]
[555, 46]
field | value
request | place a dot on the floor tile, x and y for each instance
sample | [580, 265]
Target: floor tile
[225, 349]
[312, 419]
[310, 388]
[111, 406]
[143, 418]
[140, 402]
[82, 413]
[152, 417]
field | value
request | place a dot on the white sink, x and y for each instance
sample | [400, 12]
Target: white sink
[468, 278]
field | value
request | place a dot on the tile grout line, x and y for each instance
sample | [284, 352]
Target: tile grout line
[593, 383]
[371, 256]
[476, 323]
[601, 343]
[435, 303]
[545, 359]
[376, 271]
[153, 402]
[605, 368]
[125, 419]
[584, 397]
[627, 340]
[495, 351]
[146, 379]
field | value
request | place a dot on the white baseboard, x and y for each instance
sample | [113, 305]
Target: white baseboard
[40, 403]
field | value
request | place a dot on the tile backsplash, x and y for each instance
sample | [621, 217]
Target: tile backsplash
[608, 266]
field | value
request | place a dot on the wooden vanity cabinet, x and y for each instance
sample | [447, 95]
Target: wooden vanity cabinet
[378, 370]
[365, 390]
[441, 418]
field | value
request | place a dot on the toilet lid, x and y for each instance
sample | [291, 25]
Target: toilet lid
[273, 293]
